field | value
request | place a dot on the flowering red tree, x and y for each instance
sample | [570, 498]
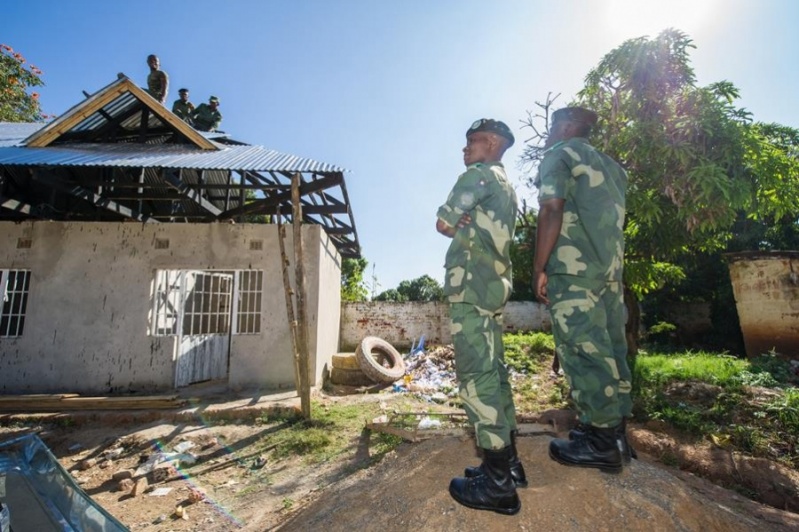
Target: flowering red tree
[16, 78]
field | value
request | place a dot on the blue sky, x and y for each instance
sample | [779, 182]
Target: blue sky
[387, 89]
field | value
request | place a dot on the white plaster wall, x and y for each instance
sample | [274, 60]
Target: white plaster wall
[400, 324]
[91, 294]
[325, 298]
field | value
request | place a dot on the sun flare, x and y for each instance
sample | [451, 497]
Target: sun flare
[626, 19]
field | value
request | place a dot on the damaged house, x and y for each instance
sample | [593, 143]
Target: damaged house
[140, 255]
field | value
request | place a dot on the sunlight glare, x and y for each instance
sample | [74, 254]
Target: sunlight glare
[626, 19]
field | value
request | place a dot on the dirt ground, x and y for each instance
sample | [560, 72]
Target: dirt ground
[233, 483]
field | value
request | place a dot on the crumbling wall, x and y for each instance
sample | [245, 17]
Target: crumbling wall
[401, 324]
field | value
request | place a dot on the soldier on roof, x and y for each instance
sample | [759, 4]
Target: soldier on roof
[207, 116]
[182, 107]
[157, 80]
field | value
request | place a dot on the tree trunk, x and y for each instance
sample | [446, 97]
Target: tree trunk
[633, 324]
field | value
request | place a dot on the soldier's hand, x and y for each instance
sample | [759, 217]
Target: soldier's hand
[540, 287]
[465, 220]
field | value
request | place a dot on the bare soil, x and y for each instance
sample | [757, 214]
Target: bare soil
[236, 484]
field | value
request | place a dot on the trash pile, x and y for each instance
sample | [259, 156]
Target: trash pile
[430, 374]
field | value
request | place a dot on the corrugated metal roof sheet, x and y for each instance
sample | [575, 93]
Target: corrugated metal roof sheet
[13, 133]
[245, 157]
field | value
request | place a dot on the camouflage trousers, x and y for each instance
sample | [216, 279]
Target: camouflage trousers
[588, 326]
[480, 367]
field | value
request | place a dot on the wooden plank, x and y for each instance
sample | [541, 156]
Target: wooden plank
[98, 100]
[63, 402]
[88, 195]
[37, 396]
[76, 114]
[168, 117]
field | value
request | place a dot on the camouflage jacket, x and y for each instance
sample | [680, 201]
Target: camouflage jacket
[183, 109]
[591, 241]
[205, 118]
[478, 266]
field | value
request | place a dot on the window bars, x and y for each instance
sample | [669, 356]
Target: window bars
[15, 285]
[194, 302]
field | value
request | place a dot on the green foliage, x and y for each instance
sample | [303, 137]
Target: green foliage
[352, 284]
[695, 160]
[392, 294]
[424, 289]
[661, 333]
[735, 415]
[644, 276]
[657, 370]
[327, 434]
[785, 410]
[16, 78]
[304, 438]
[252, 218]
[522, 252]
[775, 366]
[761, 378]
[529, 355]
[528, 352]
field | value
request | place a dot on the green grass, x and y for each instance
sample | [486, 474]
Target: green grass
[331, 431]
[657, 369]
[725, 407]
[528, 352]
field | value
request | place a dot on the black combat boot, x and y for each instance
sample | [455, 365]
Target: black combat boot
[627, 451]
[596, 448]
[493, 490]
[516, 467]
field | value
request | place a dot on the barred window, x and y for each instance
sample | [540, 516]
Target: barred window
[14, 285]
[248, 311]
[193, 302]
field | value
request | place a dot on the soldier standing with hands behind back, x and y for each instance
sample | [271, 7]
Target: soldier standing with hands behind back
[480, 217]
[577, 272]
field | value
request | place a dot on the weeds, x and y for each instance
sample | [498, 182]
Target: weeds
[528, 353]
[707, 396]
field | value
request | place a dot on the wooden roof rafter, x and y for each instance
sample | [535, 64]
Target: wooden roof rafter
[95, 103]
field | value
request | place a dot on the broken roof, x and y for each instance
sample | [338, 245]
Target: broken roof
[121, 154]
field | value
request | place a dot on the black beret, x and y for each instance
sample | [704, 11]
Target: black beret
[183, 90]
[492, 126]
[575, 114]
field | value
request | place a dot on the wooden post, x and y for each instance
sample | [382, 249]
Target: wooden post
[299, 279]
[284, 263]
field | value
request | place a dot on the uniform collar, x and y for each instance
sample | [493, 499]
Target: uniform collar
[562, 142]
[489, 163]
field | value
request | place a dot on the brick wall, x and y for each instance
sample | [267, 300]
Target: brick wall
[400, 324]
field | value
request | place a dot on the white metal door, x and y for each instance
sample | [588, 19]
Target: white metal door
[204, 307]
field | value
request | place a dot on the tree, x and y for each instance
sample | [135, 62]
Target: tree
[695, 161]
[522, 251]
[392, 294]
[16, 77]
[423, 288]
[352, 284]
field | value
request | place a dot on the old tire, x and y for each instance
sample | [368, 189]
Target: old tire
[350, 377]
[345, 361]
[379, 360]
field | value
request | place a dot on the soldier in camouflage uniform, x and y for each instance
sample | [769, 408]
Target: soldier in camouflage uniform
[182, 107]
[480, 217]
[207, 116]
[577, 271]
